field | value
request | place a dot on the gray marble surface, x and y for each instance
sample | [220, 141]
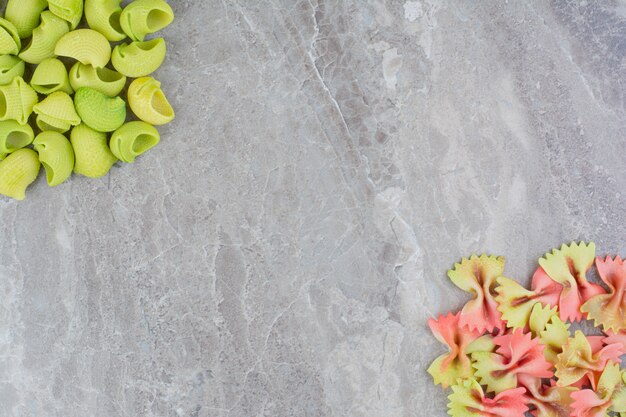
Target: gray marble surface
[280, 252]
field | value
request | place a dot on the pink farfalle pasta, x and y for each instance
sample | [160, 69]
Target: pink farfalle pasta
[612, 337]
[610, 395]
[547, 400]
[469, 400]
[609, 310]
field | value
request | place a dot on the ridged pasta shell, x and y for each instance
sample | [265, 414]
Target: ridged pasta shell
[93, 157]
[139, 58]
[56, 155]
[24, 14]
[17, 101]
[86, 46]
[143, 17]
[104, 16]
[69, 10]
[50, 76]
[10, 42]
[99, 111]
[10, 67]
[56, 112]
[45, 37]
[14, 136]
[17, 172]
[133, 139]
[105, 80]
[148, 102]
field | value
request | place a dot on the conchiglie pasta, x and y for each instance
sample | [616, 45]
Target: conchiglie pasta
[99, 111]
[24, 14]
[106, 81]
[86, 46]
[56, 155]
[17, 172]
[143, 17]
[10, 67]
[69, 10]
[104, 16]
[45, 37]
[51, 76]
[14, 136]
[17, 101]
[10, 42]
[133, 139]
[56, 112]
[139, 58]
[93, 157]
[148, 102]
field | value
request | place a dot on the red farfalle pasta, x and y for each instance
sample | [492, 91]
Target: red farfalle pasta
[547, 400]
[609, 395]
[609, 310]
[612, 338]
[468, 400]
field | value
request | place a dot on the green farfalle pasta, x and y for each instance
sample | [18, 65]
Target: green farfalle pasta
[25, 14]
[104, 16]
[17, 172]
[139, 59]
[10, 67]
[104, 80]
[148, 102]
[17, 100]
[56, 112]
[56, 155]
[93, 157]
[10, 42]
[45, 37]
[86, 46]
[99, 111]
[51, 76]
[69, 10]
[143, 17]
[133, 139]
[14, 136]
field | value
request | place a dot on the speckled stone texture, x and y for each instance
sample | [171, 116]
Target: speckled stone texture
[279, 253]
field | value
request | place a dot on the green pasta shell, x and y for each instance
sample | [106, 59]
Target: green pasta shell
[139, 58]
[143, 17]
[17, 101]
[56, 155]
[94, 159]
[148, 102]
[17, 172]
[56, 112]
[69, 10]
[106, 81]
[24, 14]
[10, 67]
[133, 139]
[14, 136]
[10, 42]
[45, 37]
[99, 111]
[86, 46]
[104, 16]
[50, 76]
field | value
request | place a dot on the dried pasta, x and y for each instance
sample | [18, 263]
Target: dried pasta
[139, 59]
[56, 112]
[99, 111]
[45, 37]
[14, 136]
[24, 14]
[10, 42]
[105, 80]
[10, 67]
[68, 10]
[104, 16]
[17, 172]
[133, 139]
[56, 155]
[51, 76]
[143, 17]
[86, 46]
[17, 100]
[93, 157]
[148, 102]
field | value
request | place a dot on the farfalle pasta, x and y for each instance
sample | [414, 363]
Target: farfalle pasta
[609, 310]
[468, 400]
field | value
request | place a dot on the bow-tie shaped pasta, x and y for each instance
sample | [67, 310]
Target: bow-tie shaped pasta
[610, 395]
[69, 10]
[139, 59]
[104, 16]
[14, 136]
[609, 310]
[548, 400]
[133, 139]
[545, 324]
[86, 46]
[44, 39]
[104, 80]
[10, 42]
[51, 76]
[17, 172]
[24, 14]
[56, 155]
[10, 67]
[148, 102]
[93, 158]
[56, 112]
[469, 400]
[99, 111]
[17, 101]
[143, 17]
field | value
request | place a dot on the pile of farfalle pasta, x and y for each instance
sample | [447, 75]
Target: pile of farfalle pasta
[65, 66]
[511, 349]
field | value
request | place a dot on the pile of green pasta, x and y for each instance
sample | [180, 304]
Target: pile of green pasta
[71, 116]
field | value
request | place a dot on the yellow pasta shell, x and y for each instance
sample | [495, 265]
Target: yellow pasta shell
[14, 136]
[17, 172]
[94, 159]
[56, 155]
[139, 58]
[104, 16]
[10, 67]
[86, 46]
[68, 10]
[50, 76]
[10, 42]
[99, 111]
[133, 139]
[24, 14]
[148, 102]
[17, 101]
[56, 112]
[106, 81]
[143, 17]
[45, 37]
